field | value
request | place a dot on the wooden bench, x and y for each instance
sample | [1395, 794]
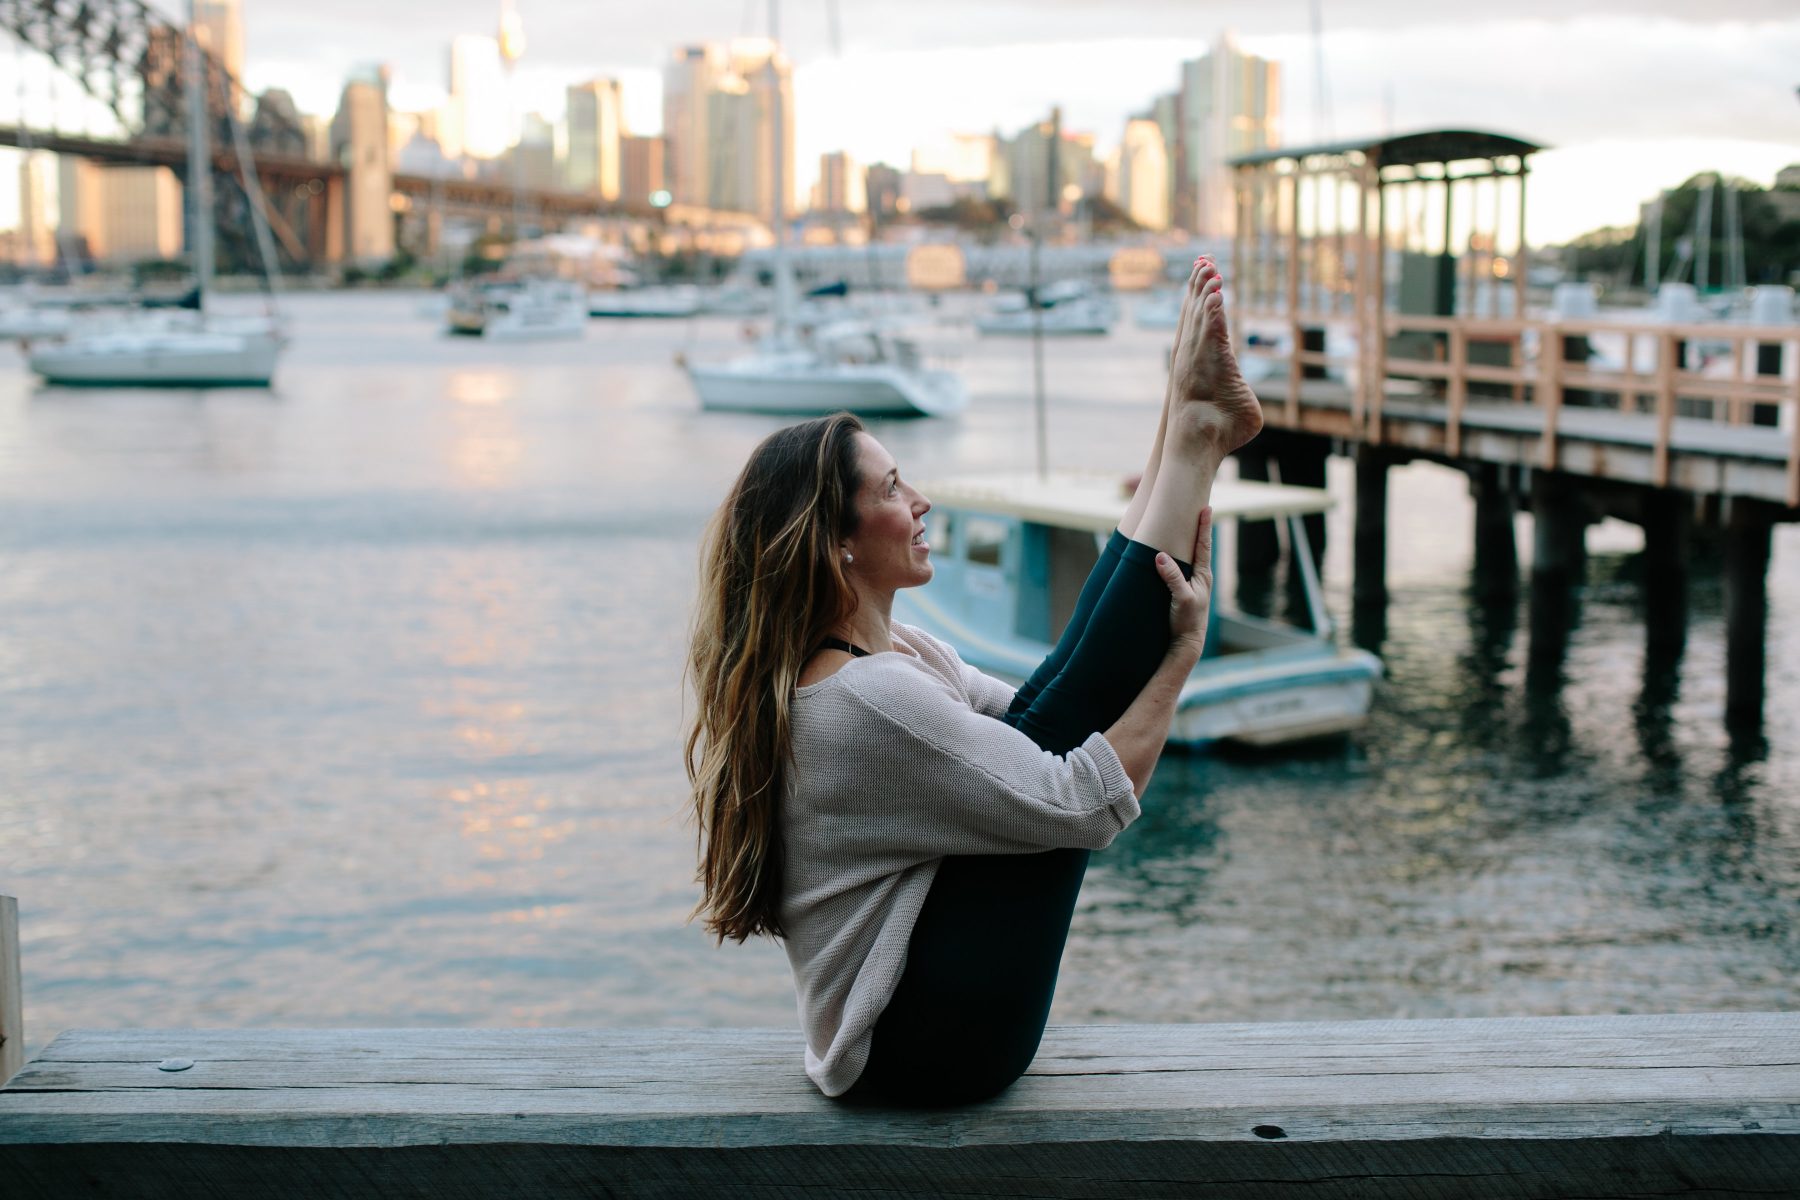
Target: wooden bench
[1705, 1105]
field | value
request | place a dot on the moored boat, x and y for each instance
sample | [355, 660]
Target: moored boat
[1012, 552]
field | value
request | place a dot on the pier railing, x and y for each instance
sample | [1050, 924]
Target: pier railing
[1544, 364]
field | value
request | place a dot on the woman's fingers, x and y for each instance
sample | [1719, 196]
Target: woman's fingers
[1203, 540]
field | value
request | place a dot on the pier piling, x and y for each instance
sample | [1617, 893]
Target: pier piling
[1496, 546]
[1369, 583]
[1559, 539]
[1748, 525]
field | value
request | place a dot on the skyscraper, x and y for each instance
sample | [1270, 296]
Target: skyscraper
[1230, 105]
[1142, 180]
[219, 28]
[841, 187]
[687, 80]
[476, 118]
[719, 114]
[596, 126]
[640, 169]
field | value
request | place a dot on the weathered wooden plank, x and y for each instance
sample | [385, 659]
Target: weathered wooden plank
[12, 999]
[1580, 1106]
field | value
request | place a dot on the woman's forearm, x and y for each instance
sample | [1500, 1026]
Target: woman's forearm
[1137, 737]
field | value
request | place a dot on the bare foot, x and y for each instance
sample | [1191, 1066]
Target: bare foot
[1213, 398]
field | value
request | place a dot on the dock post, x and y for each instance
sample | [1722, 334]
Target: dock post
[1302, 460]
[1258, 549]
[1369, 585]
[12, 998]
[1559, 539]
[1668, 518]
[1747, 531]
[1496, 546]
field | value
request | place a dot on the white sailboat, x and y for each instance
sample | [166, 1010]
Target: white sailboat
[853, 367]
[1064, 309]
[169, 348]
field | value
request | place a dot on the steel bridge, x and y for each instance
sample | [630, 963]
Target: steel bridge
[128, 57]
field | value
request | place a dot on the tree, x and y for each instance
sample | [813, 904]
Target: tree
[1771, 244]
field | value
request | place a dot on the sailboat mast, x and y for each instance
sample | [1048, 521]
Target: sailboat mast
[199, 189]
[778, 173]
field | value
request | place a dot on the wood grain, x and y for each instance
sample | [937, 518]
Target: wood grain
[1705, 1104]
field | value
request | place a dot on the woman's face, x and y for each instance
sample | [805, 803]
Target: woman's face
[888, 550]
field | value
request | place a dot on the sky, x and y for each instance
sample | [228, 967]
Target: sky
[1633, 95]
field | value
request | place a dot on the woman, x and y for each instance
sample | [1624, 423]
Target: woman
[913, 831]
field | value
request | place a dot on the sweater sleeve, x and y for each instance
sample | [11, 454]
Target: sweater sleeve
[919, 774]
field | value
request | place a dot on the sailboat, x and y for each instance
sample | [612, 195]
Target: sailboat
[173, 347]
[853, 365]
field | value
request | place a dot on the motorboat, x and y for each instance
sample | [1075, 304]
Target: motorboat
[519, 310]
[1065, 309]
[850, 366]
[1012, 551]
[680, 300]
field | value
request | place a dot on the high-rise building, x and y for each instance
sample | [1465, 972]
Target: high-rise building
[641, 174]
[882, 183]
[719, 120]
[959, 157]
[119, 215]
[595, 124]
[477, 116]
[1140, 175]
[359, 140]
[841, 187]
[35, 242]
[1230, 105]
[219, 28]
[534, 156]
[687, 81]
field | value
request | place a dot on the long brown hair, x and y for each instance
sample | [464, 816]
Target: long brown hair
[771, 585]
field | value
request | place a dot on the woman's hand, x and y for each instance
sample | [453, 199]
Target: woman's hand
[1190, 600]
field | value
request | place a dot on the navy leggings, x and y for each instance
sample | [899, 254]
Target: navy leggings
[981, 967]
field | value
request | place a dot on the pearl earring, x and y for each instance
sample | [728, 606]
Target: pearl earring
[849, 558]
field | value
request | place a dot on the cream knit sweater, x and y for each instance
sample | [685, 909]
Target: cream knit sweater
[900, 759]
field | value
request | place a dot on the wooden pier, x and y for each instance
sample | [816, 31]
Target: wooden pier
[1701, 1105]
[1385, 284]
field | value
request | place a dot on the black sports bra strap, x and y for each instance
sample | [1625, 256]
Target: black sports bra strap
[832, 643]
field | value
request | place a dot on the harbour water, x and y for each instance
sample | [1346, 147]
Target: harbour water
[358, 702]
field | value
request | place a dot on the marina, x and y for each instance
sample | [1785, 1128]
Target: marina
[355, 702]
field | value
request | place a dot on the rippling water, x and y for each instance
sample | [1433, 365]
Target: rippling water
[357, 703]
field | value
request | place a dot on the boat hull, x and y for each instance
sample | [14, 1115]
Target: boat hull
[866, 390]
[251, 363]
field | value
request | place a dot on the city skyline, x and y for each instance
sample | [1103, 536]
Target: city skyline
[1612, 147]
[1598, 89]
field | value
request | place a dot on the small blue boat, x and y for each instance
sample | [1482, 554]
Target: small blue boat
[1011, 554]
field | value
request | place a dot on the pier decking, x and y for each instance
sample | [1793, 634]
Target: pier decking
[1701, 1105]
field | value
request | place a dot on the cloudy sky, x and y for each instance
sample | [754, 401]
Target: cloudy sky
[1634, 94]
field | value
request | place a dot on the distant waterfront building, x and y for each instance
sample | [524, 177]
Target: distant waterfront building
[881, 184]
[1139, 177]
[719, 109]
[34, 241]
[595, 122]
[534, 156]
[476, 118]
[841, 187]
[359, 141]
[219, 28]
[1230, 104]
[687, 81]
[121, 215]
[920, 191]
[959, 157]
[641, 170]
